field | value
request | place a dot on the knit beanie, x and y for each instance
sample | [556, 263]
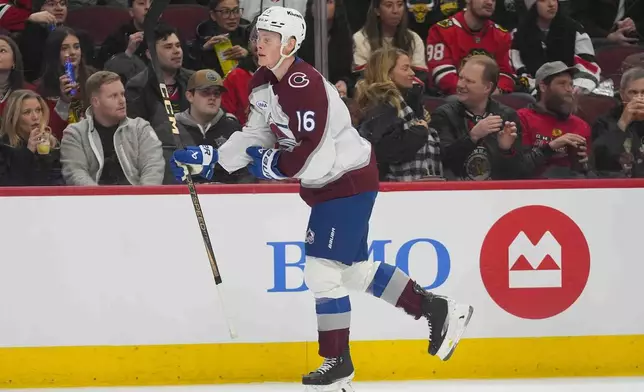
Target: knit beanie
[529, 3]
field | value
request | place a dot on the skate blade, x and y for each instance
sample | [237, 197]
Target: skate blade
[459, 318]
[342, 385]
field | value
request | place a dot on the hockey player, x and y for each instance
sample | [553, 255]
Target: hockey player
[297, 110]
[471, 32]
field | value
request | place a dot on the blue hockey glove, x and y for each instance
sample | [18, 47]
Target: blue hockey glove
[198, 160]
[264, 165]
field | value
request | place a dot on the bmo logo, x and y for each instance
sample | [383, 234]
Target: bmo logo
[535, 262]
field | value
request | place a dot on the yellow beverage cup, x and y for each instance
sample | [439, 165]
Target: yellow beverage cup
[44, 145]
[227, 65]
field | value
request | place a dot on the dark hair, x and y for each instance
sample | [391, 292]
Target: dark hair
[340, 43]
[163, 31]
[16, 75]
[491, 72]
[212, 4]
[372, 29]
[53, 69]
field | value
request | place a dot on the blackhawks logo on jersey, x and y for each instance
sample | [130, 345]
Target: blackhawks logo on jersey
[445, 23]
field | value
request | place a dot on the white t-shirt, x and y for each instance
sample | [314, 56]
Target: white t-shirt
[252, 8]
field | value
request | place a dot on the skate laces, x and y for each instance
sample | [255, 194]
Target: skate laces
[328, 364]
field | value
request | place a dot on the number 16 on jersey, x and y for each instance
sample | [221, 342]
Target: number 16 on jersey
[305, 121]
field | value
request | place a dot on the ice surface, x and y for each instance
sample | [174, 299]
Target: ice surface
[635, 384]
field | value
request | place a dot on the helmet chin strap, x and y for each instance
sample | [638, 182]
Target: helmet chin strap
[282, 58]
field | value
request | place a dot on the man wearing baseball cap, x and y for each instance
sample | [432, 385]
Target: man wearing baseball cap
[205, 122]
[550, 121]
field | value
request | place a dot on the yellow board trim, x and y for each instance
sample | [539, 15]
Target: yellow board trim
[584, 356]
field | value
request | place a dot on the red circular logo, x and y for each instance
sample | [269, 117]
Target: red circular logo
[535, 262]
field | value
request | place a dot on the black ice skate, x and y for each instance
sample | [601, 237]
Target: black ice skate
[447, 322]
[335, 374]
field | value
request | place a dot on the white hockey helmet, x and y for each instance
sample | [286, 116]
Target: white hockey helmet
[288, 23]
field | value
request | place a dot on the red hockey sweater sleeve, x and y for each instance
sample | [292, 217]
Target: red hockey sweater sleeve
[13, 17]
[506, 79]
[439, 58]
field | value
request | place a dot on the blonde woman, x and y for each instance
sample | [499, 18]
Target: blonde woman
[29, 154]
[394, 119]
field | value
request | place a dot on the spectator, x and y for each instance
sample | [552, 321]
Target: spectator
[550, 123]
[619, 21]
[66, 99]
[395, 121]
[35, 35]
[452, 41]
[14, 14]
[207, 123]
[340, 52]
[618, 150]
[224, 24]
[107, 147]
[29, 154]
[386, 26]
[423, 14]
[253, 8]
[478, 135]
[509, 13]
[127, 38]
[235, 98]
[11, 76]
[548, 35]
[142, 91]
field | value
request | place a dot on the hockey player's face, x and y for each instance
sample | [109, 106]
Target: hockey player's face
[269, 47]
[402, 74]
[483, 9]
[547, 9]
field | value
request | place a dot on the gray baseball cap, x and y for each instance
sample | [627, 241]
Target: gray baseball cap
[553, 68]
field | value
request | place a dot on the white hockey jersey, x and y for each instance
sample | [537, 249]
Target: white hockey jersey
[304, 116]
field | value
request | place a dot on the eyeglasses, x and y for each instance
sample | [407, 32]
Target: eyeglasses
[53, 4]
[227, 12]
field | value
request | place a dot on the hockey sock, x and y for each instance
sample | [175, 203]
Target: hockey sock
[394, 286]
[334, 319]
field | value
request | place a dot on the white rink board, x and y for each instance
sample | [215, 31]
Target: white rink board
[122, 270]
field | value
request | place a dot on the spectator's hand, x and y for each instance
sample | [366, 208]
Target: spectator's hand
[212, 41]
[133, 43]
[34, 139]
[582, 151]
[42, 17]
[627, 24]
[422, 123]
[342, 88]
[618, 37]
[235, 53]
[507, 136]
[488, 125]
[66, 86]
[569, 139]
[634, 111]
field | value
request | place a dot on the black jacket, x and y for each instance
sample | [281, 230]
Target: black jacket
[32, 44]
[598, 16]
[610, 145]
[482, 160]
[509, 13]
[217, 133]
[21, 167]
[117, 42]
[144, 100]
[208, 58]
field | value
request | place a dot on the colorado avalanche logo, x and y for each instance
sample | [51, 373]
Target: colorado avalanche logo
[298, 80]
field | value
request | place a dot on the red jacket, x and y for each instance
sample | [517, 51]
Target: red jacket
[235, 99]
[13, 14]
[451, 42]
[540, 127]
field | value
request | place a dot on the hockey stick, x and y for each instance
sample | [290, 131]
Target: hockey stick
[149, 24]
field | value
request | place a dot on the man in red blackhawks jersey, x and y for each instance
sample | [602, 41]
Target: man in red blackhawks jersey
[300, 128]
[471, 32]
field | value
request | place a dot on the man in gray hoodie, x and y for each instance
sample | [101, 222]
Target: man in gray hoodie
[107, 147]
[205, 122]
